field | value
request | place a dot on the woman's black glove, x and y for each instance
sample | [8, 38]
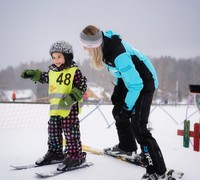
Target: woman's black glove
[121, 113]
[119, 93]
[115, 96]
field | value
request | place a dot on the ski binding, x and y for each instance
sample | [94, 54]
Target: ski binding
[56, 172]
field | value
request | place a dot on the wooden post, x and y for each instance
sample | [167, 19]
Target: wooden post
[196, 136]
[186, 136]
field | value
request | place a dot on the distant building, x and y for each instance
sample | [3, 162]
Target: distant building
[22, 95]
[97, 93]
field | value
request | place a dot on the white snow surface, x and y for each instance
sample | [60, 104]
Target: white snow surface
[23, 137]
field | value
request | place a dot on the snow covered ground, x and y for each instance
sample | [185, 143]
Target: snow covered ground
[23, 137]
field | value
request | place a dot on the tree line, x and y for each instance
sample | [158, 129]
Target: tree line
[174, 76]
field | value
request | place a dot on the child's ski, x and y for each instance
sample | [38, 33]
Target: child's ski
[28, 166]
[56, 172]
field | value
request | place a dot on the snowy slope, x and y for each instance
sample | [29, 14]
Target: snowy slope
[23, 137]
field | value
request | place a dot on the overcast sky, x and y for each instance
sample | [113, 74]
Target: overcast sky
[156, 27]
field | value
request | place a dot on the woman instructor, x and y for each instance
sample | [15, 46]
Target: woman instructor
[136, 81]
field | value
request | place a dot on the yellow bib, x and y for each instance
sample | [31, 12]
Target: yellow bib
[60, 85]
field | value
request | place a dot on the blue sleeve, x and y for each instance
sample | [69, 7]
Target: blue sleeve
[131, 78]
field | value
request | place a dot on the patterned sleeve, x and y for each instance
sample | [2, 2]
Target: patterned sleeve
[80, 81]
[44, 77]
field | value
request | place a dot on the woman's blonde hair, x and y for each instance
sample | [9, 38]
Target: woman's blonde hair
[95, 53]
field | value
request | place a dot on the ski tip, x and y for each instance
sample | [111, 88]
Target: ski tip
[90, 163]
[13, 167]
[175, 173]
[41, 176]
[17, 168]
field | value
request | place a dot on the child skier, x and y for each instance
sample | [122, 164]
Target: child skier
[66, 88]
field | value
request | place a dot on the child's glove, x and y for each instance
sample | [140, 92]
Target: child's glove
[74, 96]
[66, 102]
[34, 75]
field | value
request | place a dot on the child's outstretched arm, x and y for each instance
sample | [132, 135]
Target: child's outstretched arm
[34, 75]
